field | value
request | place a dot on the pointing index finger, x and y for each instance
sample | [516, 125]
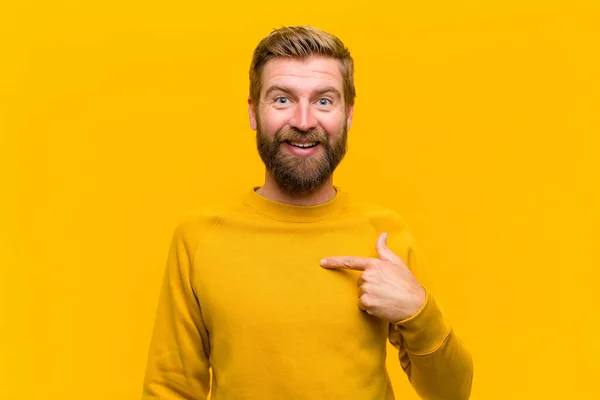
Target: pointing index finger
[347, 262]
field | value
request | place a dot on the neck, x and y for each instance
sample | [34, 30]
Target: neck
[272, 191]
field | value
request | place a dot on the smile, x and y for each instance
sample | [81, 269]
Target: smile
[302, 145]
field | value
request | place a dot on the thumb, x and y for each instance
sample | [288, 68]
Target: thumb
[385, 253]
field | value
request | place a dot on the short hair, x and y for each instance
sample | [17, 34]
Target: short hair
[301, 42]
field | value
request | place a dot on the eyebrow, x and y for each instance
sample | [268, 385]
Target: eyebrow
[319, 92]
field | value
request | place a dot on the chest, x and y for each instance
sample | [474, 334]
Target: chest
[272, 281]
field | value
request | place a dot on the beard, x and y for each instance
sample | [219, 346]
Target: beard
[299, 176]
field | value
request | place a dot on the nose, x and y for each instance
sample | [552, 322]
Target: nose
[303, 118]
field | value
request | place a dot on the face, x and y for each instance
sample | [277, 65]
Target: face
[301, 122]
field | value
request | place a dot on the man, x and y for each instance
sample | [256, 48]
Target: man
[292, 290]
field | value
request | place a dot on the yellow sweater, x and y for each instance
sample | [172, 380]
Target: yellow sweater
[244, 295]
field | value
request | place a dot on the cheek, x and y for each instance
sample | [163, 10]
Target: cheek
[334, 126]
[272, 122]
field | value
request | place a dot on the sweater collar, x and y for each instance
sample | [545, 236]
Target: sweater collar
[293, 213]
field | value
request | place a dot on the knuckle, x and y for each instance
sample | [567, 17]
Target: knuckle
[365, 301]
[365, 287]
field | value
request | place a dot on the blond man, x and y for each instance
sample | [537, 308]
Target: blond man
[292, 290]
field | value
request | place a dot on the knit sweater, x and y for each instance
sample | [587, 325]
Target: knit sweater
[244, 297]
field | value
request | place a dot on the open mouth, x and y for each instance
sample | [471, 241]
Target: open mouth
[302, 145]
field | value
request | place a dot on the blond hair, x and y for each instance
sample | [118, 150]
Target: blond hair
[301, 42]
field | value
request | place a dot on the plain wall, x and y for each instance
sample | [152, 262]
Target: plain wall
[476, 120]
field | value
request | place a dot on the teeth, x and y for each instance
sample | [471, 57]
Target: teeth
[304, 145]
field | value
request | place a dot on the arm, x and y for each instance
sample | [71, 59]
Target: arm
[178, 359]
[436, 362]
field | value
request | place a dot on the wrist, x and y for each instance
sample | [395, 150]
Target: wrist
[425, 330]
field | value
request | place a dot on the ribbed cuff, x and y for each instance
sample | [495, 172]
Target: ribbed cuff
[425, 331]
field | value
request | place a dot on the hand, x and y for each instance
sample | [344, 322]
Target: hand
[387, 288]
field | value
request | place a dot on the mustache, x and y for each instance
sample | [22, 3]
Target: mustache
[295, 134]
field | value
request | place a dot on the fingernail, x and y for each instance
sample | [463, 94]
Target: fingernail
[385, 238]
[323, 262]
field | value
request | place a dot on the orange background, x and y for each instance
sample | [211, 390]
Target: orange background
[478, 121]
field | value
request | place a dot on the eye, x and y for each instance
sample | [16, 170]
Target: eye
[324, 102]
[281, 100]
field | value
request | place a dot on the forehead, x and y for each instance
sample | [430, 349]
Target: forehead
[310, 73]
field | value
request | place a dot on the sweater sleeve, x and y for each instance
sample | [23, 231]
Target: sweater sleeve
[178, 358]
[436, 362]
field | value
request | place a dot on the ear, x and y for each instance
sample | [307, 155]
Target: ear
[251, 113]
[350, 115]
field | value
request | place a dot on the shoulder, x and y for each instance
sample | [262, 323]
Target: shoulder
[388, 220]
[383, 219]
[198, 222]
